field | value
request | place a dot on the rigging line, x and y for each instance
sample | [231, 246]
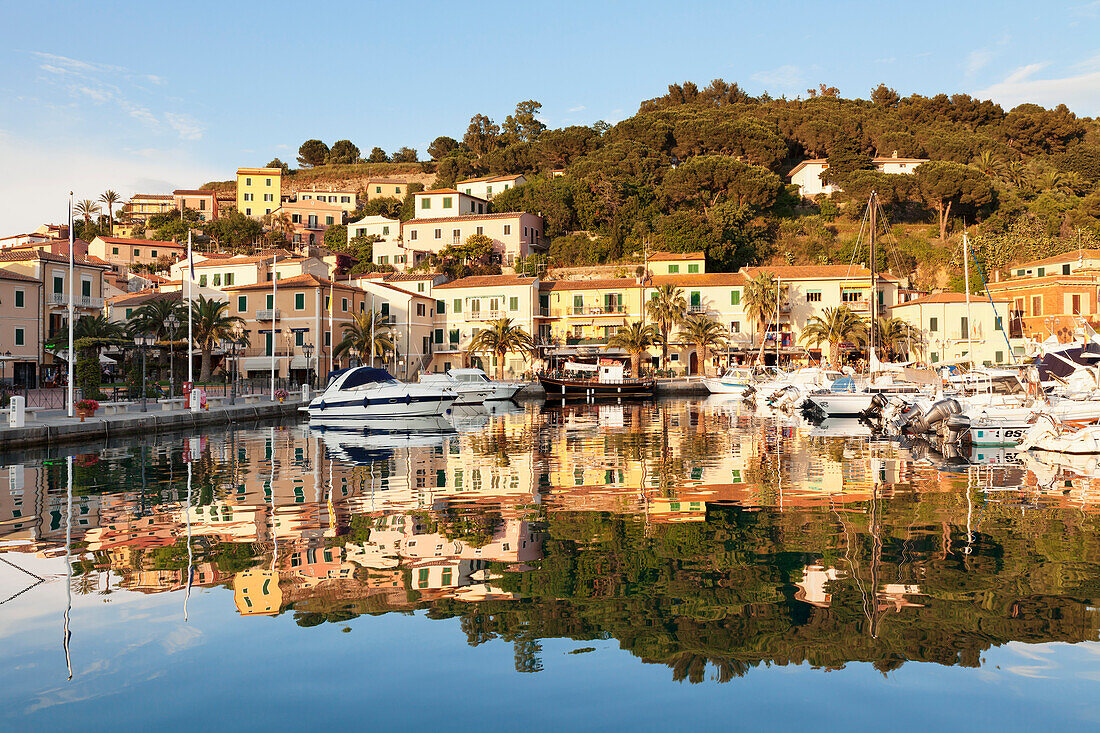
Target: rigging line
[996, 315]
[889, 232]
[15, 595]
[24, 570]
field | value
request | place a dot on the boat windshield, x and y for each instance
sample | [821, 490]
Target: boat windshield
[366, 376]
[469, 376]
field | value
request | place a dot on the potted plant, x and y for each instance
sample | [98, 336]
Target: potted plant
[280, 394]
[86, 408]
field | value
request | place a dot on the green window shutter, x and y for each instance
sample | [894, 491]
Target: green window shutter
[453, 334]
[242, 303]
[270, 301]
[440, 307]
[19, 300]
[1000, 356]
[299, 301]
[202, 281]
[129, 313]
[673, 269]
[735, 297]
[439, 335]
[693, 269]
[513, 304]
[458, 306]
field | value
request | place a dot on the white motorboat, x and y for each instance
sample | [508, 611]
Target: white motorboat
[469, 393]
[805, 380]
[367, 393]
[501, 390]
[844, 399]
[736, 381]
[1051, 435]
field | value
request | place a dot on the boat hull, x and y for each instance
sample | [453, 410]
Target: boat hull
[381, 408]
[842, 404]
[723, 386]
[584, 389]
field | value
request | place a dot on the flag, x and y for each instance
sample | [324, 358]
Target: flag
[191, 258]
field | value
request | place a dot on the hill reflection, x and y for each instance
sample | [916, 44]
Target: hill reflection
[697, 536]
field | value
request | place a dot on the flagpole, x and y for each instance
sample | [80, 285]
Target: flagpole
[190, 296]
[72, 325]
[331, 303]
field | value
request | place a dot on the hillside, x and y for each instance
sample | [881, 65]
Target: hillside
[347, 175]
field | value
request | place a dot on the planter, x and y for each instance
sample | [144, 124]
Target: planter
[83, 413]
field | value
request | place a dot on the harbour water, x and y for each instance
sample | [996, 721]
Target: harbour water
[681, 563]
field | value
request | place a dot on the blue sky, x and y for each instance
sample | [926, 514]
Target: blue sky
[143, 98]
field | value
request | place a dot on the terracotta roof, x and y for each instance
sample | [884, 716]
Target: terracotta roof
[386, 180]
[814, 272]
[23, 256]
[243, 260]
[399, 276]
[9, 275]
[152, 196]
[949, 298]
[260, 171]
[487, 179]
[397, 289]
[484, 281]
[824, 162]
[296, 282]
[143, 242]
[701, 279]
[468, 217]
[618, 282]
[441, 190]
[193, 192]
[672, 256]
[143, 297]
[1090, 254]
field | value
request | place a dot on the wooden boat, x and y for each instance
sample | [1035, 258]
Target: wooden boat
[589, 381]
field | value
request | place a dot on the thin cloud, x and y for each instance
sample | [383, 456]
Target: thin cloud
[977, 60]
[185, 126]
[1079, 92]
[578, 108]
[786, 77]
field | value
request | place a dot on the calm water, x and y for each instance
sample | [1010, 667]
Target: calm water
[591, 567]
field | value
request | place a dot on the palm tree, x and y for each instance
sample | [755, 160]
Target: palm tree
[87, 209]
[988, 163]
[636, 339]
[358, 336]
[152, 319]
[704, 332]
[94, 331]
[833, 326]
[500, 339]
[896, 336]
[110, 198]
[210, 323]
[761, 297]
[666, 308]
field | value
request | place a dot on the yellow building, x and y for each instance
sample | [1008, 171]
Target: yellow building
[259, 191]
[256, 592]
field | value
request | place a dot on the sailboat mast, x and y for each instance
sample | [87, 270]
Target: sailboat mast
[966, 288]
[874, 284]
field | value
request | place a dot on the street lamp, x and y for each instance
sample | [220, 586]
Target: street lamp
[143, 342]
[232, 347]
[307, 349]
[172, 322]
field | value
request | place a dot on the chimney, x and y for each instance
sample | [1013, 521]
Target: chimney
[895, 154]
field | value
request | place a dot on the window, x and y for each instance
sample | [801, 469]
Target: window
[933, 325]
[248, 211]
[20, 337]
[345, 199]
[964, 327]
[1076, 304]
[270, 301]
[673, 269]
[248, 181]
[129, 313]
[137, 253]
[202, 205]
[1041, 271]
[439, 335]
[458, 306]
[1065, 269]
[813, 296]
[385, 230]
[267, 182]
[452, 336]
[578, 304]
[299, 338]
[114, 250]
[202, 281]
[229, 278]
[217, 279]
[86, 288]
[1036, 305]
[328, 338]
[295, 218]
[299, 301]
[440, 307]
[735, 297]
[525, 231]
[425, 202]
[20, 298]
[242, 303]
[153, 253]
[513, 303]
[693, 269]
[735, 326]
[412, 235]
[507, 229]
[481, 230]
[997, 324]
[328, 221]
[378, 189]
[999, 356]
[447, 202]
[344, 304]
[849, 295]
[1020, 273]
[420, 287]
[269, 197]
[439, 234]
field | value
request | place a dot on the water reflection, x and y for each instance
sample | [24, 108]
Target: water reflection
[698, 536]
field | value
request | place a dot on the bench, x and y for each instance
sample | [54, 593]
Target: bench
[175, 403]
[114, 408]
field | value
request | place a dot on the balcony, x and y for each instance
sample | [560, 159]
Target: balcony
[268, 314]
[608, 310]
[544, 312]
[784, 307]
[486, 315]
[697, 308]
[80, 301]
[859, 306]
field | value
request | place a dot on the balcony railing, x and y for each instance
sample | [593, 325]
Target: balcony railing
[859, 306]
[697, 308]
[268, 314]
[544, 312]
[485, 315]
[79, 301]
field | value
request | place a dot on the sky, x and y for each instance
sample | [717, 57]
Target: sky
[138, 99]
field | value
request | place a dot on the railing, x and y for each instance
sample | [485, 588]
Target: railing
[697, 308]
[858, 306]
[80, 301]
[485, 315]
[608, 310]
[544, 312]
[268, 314]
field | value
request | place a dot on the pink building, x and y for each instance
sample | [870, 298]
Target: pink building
[205, 203]
[310, 219]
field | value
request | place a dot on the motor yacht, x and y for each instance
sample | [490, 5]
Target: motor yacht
[501, 390]
[362, 393]
[736, 381]
[469, 393]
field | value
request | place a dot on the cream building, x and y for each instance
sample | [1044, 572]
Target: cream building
[382, 188]
[677, 263]
[514, 234]
[445, 203]
[21, 321]
[807, 174]
[122, 253]
[945, 323]
[486, 187]
[470, 304]
[377, 225]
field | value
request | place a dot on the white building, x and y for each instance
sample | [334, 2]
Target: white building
[345, 198]
[447, 202]
[807, 174]
[486, 187]
[378, 225]
[514, 234]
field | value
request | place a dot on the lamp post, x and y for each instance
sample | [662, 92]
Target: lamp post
[172, 322]
[231, 348]
[307, 349]
[143, 342]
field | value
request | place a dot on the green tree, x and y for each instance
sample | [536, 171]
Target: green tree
[377, 155]
[404, 155]
[833, 326]
[635, 339]
[524, 125]
[441, 147]
[761, 297]
[234, 232]
[276, 163]
[364, 328]
[481, 136]
[708, 179]
[705, 333]
[211, 324]
[500, 339]
[87, 209]
[312, 153]
[343, 151]
[944, 184]
[897, 337]
[667, 308]
[884, 96]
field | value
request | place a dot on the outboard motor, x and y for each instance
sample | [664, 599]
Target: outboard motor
[878, 401]
[953, 428]
[935, 414]
[749, 395]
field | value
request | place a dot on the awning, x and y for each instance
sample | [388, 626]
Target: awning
[258, 363]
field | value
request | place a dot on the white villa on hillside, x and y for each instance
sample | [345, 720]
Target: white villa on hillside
[807, 174]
